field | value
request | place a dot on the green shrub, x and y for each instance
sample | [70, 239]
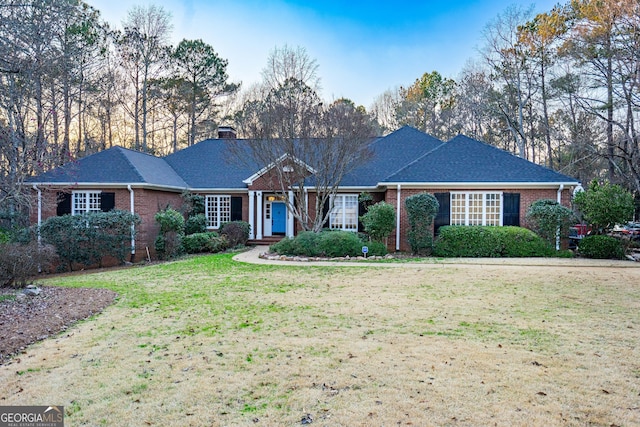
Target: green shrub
[168, 244]
[479, 241]
[87, 239]
[327, 243]
[204, 242]
[195, 224]
[604, 205]
[5, 236]
[547, 217]
[379, 221]
[170, 220]
[421, 209]
[307, 243]
[601, 247]
[340, 243]
[236, 232]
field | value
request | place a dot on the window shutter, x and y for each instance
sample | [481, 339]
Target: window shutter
[444, 212]
[511, 209]
[325, 210]
[236, 208]
[107, 201]
[64, 204]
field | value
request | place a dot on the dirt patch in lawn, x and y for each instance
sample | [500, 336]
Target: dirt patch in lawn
[26, 319]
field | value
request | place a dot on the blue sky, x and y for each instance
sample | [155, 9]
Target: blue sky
[362, 47]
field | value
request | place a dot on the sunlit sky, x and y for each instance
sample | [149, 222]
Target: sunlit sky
[362, 47]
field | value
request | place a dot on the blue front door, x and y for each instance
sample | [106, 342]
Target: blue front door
[278, 218]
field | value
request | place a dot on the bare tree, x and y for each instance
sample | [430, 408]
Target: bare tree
[285, 63]
[143, 47]
[304, 145]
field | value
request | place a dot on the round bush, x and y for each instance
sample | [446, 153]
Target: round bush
[203, 242]
[236, 232]
[601, 247]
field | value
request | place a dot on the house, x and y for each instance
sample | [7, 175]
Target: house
[475, 183]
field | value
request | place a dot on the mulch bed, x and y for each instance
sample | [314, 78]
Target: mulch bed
[28, 319]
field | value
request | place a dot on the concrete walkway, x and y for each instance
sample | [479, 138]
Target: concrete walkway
[252, 256]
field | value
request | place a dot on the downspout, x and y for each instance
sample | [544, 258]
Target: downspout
[133, 227]
[35, 187]
[398, 219]
[559, 199]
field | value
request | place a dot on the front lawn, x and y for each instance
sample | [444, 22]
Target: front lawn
[207, 341]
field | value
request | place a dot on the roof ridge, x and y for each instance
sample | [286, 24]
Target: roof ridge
[135, 168]
[416, 160]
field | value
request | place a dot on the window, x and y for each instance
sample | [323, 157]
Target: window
[218, 210]
[476, 208]
[85, 201]
[344, 215]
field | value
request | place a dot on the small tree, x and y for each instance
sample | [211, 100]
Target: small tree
[550, 220]
[169, 241]
[379, 221]
[421, 209]
[605, 205]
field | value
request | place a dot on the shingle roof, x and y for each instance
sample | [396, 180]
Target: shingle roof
[464, 159]
[404, 156]
[208, 164]
[391, 153]
[116, 165]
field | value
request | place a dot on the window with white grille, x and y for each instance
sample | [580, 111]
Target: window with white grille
[85, 201]
[218, 210]
[344, 215]
[476, 208]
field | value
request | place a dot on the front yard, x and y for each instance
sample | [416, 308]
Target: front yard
[208, 341]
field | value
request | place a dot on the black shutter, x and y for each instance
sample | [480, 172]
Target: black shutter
[236, 208]
[511, 209]
[444, 211]
[325, 210]
[107, 201]
[64, 204]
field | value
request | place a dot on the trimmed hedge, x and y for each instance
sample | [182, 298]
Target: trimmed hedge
[327, 243]
[491, 242]
[601, 247]
[204, 242]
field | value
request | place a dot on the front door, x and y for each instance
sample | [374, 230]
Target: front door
[278, 218]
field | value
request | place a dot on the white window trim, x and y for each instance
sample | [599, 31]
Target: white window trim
[343, 197]
[484, 206]
[87, 195]
[214, 223]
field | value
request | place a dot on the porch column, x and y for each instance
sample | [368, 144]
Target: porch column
[259, 216]
[252, 214]
[290, 216]
[399, 205]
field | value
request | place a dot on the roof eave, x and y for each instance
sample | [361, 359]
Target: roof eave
[107, 185]
[483, 185]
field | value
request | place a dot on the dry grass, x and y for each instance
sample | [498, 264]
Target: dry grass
[210, 342]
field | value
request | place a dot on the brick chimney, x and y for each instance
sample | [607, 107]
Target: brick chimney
[226, 132]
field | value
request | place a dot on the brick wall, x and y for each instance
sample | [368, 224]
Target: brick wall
[146, 204]
[527, 196]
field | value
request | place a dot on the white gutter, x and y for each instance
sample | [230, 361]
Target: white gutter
[398, 219]
[133, 227]
[479, 185]
[35, 187]
[559, 199]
